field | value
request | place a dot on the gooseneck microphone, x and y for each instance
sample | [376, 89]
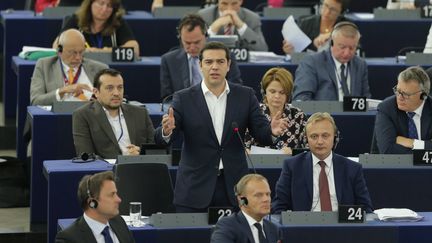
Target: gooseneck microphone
[165, 100]
[235, 128]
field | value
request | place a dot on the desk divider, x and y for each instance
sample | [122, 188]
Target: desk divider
[396, 14]
[309, 218]
[173, 220]
[268, 160]
[386, 160]
[319, 106]
[418, 58]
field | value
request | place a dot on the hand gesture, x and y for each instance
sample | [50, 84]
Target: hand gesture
[321, 40]
[287, 47]
[75, 89]
[278, 124]
[133, 149]
[234, 17]
[168, 122]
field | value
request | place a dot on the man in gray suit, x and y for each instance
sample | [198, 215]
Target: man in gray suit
[228, 17]
[335, 72]
[180, 67]
[67, 76]
[107, 127]
[101, 221]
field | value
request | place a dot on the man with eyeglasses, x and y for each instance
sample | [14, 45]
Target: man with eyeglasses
[404, 120]
[66, 76]
[335, 72]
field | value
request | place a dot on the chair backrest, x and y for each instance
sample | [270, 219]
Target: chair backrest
[148, 183]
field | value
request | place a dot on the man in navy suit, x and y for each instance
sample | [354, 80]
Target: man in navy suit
[212, 116]
[176, 71]
[320, 180]
[248, 226]
[395, 131]
[335, 72]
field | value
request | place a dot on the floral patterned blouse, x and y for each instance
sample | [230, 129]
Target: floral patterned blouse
[294, 135]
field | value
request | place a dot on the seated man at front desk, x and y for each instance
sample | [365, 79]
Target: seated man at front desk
[67, 76]
[101, 221]
[320, 180]
[335, 72]
[404, 120]
[180, 67]
[107, 127]
[254, 197]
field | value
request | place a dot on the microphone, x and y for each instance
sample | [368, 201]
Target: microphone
[235, 128]
[165, 100]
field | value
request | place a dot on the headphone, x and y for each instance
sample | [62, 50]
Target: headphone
[85, 157]
[243, 200]
[192, 20]
[60, 48]
[93, 203]
[339, 26]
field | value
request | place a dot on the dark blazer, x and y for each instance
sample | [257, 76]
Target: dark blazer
[80, 232]
[201, 152]
[253, 37]
[175, 75]
[93, 133]
[235, 229]
[391, 122]
[294, 189]
[310, 25]
[315, 78]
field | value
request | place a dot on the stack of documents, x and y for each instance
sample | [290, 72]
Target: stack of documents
[397, 215]
[263, 56]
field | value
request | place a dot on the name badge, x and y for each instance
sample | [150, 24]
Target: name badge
[426, 11]
[123, 54]
[351, 214]
[216, 213]
[354, 103]
[240, 54]
[422, 157]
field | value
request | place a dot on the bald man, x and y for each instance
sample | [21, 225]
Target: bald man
[67, 76]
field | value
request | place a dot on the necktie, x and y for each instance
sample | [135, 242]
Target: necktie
[412, 130]
[261, 236]
[228, 29]
[344, 80]
[324, 191]
[71, 75]
[196, 75]
[107, 235]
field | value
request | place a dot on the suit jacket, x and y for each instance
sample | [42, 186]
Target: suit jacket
[201, 151]
[315, 78]
[235, 229]
[391, 122]
[47, 78]
[253, 37]
[294, 189]
[175, 75]
[93, 133]
[80, 232]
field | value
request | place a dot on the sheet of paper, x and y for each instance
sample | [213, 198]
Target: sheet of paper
[294, 35]
[261, 150]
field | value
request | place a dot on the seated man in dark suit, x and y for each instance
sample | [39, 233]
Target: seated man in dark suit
[67, 76]
[230, 18]
[101, 221]
[335, 72]
[320, 180]
[247, 226]
[107, 127]
[404, 120]
[180, 67]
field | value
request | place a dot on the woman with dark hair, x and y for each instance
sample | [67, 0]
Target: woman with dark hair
[103, 26]
[277, 85]
[319, 27]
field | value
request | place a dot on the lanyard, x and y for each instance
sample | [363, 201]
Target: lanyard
[65, 78]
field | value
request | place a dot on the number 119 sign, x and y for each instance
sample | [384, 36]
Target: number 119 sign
[123, 54]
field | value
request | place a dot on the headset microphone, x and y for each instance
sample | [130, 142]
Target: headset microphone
[236, 130]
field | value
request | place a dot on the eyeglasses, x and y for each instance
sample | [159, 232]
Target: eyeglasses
[404, 95]
[331, 9]
[102, 3]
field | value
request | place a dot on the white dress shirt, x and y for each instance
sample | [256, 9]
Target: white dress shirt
[316, 205]
[120, 130]
[251, 221]
[418, 143]
[97, 228]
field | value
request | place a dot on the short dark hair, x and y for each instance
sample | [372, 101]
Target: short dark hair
[109, 71]
[90, 186]
[190, 21]
[215, 45]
